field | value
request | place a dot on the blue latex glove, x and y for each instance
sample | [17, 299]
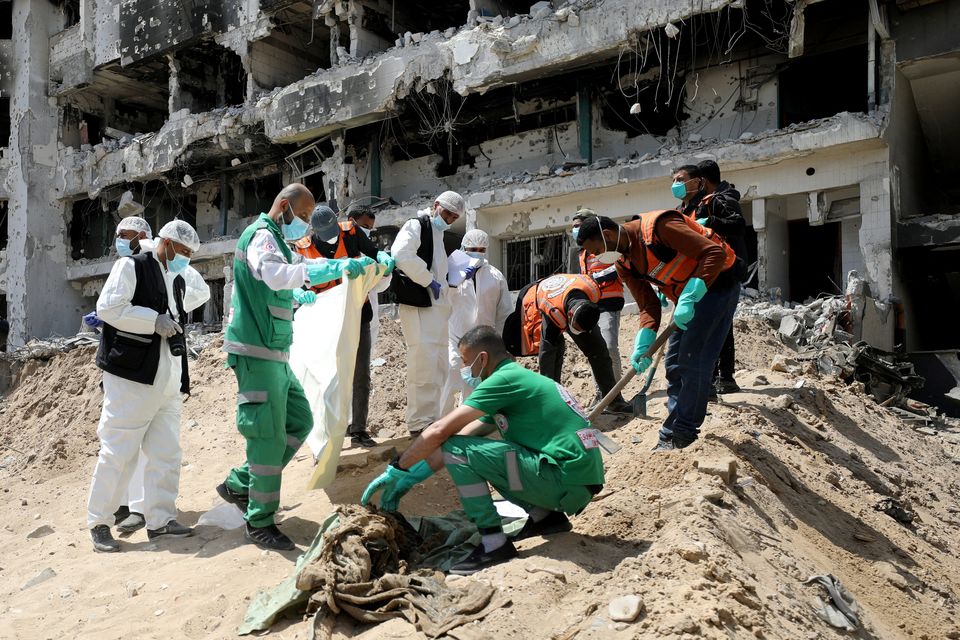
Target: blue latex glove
[641, 343]
[387, 261]
[326, 271]
[436, 287]
[664, 303]
[702, 221]
[304, 297]
[395, 483]
[693, 291]
[92, 321]
[469, 272]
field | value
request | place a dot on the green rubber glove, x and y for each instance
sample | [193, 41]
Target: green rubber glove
[387, 261]
[663, 299]
[326, 271]
[352, 267]
[395, 483]
[304, 297]
[693, 291]
[641, 343]
[702, 221]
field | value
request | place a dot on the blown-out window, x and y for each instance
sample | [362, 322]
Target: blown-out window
[529, 259]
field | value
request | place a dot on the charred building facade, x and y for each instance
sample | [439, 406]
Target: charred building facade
[834, 118]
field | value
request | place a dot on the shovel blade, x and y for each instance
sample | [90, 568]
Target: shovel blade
[639, 404]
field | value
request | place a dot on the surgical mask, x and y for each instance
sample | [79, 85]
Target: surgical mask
[334, 240]
[177, 263]
[123, 248]
[366, 231]
[476, 254]
[469, 379]
[439, 223]
[575, 232]
[679, 190]
[296, 229]
[611, 256]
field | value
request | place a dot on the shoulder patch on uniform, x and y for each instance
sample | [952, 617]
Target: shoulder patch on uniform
[304, 242]
[553, 282]
[572, 402]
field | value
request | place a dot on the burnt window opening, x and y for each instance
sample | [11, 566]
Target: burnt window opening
[297, 46]
[814, 273]
[660, 107]
[71, 12]
[820, 86]
[209, 77]
[931, 273]
[505, 8]
[6, 19]
[256, 195]
[314, 182]
[530, 259]
[6, 121]
[164, 201]
[427, 15]
[834, 24]
[132, 118]
[91, 230]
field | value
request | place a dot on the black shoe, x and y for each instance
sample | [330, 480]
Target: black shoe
[172, 529]
[269, 537]
[120, 514]
[619, 408]
[103, 540]
[233, 497]
[362, 439]
[712, 396]
[555, 522]
[726, 385]
[480, 559]
[133, 522]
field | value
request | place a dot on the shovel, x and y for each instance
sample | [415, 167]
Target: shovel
[639, 401]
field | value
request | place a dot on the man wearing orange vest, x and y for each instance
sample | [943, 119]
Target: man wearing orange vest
[548, 308]
[611, 296]
[328, 239]
[691, 265]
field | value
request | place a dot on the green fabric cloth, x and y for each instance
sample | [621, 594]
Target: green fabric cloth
[542, 416]
[262, 321]
[447, 540]
[275, 418]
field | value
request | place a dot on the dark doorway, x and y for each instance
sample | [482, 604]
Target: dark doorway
[931, 284]
[814, 259]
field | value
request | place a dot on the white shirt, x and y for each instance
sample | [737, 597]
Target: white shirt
[404, 251]
[114, 307]
[268, 264]
[483, 300]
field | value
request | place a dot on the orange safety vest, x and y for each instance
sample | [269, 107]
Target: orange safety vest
[671, 276]
[549, 297]
[305, 248]
[589, 265]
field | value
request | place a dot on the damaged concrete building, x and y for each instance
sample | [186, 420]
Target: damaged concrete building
[834, 118]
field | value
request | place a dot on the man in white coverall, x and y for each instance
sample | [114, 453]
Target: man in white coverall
[482, 299]
[420, 282]
[144, 305]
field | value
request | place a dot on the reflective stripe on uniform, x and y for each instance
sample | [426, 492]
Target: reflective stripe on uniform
[248, 397]
[513, 471]
[452, 458]
[254, 351]
[266, 469]
[476, 490]
[264, 497]
[293, 443]
[280, 312]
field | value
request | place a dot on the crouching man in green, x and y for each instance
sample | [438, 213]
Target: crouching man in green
[548, 461]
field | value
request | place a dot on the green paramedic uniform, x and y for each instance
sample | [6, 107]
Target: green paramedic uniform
[549, 456]
[272, 412]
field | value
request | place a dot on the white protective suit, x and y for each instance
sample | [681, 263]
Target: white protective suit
[424, 329]
[483, 300]
[139, 417]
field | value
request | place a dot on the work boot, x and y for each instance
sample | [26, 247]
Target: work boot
[619, 408]
[664, 445]
[726, 385]
[120, 514]
[269, 537]
[239, 499]
[133, 522]
[554, 522]
[362, 439]
[103, 540]
[480, 559]
[172, 529]
[712, 396]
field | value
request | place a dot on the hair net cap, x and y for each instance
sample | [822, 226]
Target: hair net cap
[181, 231]
[135, 223]
[475, 238]
[452, 202]
[323, 221]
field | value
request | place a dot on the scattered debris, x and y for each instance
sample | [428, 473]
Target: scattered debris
[840, 612]
[625, 608]
[41, 531]
[724, 468]
[43, 576]
[896, 510]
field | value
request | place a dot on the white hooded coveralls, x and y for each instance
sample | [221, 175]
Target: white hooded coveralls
[424, 329]
[140, 417]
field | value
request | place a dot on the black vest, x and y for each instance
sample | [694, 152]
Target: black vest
[406, 290]
[135, 356]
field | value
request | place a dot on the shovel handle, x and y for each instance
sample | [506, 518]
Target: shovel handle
[629, 375]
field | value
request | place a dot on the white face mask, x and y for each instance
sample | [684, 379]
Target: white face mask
[333, 240]
[609, 256]
[366, 231]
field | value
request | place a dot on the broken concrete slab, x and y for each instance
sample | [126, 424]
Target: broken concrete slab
[724, 468]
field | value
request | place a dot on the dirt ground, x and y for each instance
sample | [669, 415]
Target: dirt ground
[707, 557]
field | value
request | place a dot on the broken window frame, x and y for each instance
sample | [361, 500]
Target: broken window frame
[547, 265]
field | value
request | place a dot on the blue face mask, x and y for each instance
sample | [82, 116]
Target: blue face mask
[679, 190]
[178, 263]
[575, 232]
[439, 223]
[123, 248]
[469, 379]
[476, 254]
[296, 229]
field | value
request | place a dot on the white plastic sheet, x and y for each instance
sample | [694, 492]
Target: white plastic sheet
[323, 356]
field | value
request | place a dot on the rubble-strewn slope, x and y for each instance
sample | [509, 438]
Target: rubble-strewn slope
[708, 558]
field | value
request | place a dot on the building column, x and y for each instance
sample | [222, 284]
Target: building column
[40, 300]
[876, 232]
